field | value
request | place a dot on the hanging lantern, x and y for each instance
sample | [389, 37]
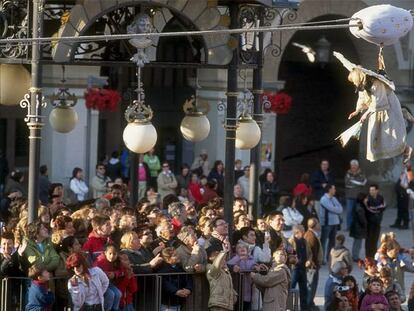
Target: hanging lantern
[195, 126]
[140, 137]
[63, 119]
[248, 133]
[15, 81]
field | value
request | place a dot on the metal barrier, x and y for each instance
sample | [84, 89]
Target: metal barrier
[150, 294]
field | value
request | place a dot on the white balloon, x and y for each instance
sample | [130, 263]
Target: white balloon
[382, 24]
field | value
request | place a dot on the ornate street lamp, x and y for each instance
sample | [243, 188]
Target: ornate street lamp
[140, 135]
[195, 126]
[63, 118]
[248, 133]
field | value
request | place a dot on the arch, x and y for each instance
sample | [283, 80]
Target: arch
[199, 13]
[309, 10]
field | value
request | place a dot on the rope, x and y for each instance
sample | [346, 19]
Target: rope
[97, 38]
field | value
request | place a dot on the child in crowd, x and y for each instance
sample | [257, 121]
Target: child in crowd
[108, 261]
[99, 237]
[374, 299]
[243, 262]
[222, 295]
[40, 297]
[352, 292]
[370, 270]
[127, 285]
[275, 284]
[175, 288]
[398, 260]
[390, 284]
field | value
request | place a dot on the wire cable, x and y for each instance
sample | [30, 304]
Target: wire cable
[113, 37]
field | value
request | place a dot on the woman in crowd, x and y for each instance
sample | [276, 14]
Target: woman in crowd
[87, 285]
[78, 185]
[269, 193]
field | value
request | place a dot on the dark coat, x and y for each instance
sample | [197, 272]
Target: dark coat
[268, 195]
[4, 170]
[44, 185]
[306, 213]
[10, 267]
[358, 228]
[172, 283]
[317, 179]
[139, 260]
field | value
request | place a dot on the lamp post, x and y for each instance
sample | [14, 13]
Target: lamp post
[33, 101]
[230, 124]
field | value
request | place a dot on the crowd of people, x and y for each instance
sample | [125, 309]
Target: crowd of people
[98, 246]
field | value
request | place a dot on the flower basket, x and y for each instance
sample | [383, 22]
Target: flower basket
[102, 99]
[279, 103]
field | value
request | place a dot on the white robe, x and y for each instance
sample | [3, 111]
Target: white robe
[386, 131]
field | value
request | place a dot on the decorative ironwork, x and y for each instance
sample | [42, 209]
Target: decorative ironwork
[14, 25]
[25, 103]
[274, 16]
[63, 98]
[138, 111]
[249, 17]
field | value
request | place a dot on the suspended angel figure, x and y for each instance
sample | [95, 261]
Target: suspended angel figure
[380, 107]
[310, 53]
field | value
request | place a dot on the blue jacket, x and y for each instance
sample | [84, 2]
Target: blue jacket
[330, 284]
[317, 179]
[40, 299]
[331, 208]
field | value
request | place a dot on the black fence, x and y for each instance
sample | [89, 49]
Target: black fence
[150, 295]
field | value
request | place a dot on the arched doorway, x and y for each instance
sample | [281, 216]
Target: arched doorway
[322, 100]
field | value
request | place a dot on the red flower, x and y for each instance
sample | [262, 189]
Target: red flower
[102, 99]
[279, 103]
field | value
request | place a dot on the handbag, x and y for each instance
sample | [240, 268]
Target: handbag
[310, 274]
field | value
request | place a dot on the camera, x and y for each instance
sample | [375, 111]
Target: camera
[342, 288]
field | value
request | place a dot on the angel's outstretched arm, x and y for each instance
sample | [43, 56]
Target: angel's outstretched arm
[347, 64]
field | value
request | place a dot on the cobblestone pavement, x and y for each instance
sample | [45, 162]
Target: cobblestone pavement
[404, 237]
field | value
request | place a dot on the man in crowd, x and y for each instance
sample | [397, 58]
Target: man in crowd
[329, 214]
[219, 240]
[355, 181]
[319, 180]
[44, 185]
[244, 182]
[394, 301]
[312, 237]
[100, 181]
[374, 208]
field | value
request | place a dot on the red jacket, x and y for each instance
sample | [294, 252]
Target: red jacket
[107, 266]
[96, 243]
[302, 188]
[128, 287]
[195, 192]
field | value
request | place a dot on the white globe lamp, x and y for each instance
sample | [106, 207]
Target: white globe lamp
[15, 81]
[248, 133]
[63, 119]
[195, 126]
[140, 137]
